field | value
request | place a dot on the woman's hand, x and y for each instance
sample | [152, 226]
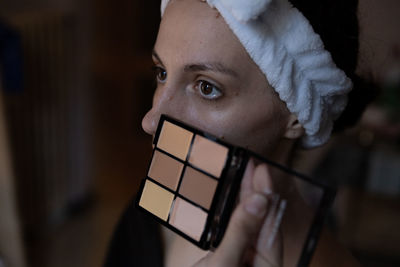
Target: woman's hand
[252, 238]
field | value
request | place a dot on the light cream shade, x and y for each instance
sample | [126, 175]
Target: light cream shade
[188, 218]
[156, 200]
[175, 140]
[208, 155]
[165, 170]
[198, 187]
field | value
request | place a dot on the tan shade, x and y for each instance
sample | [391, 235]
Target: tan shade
[188, 218]
[156, 200]
[165, 170]
[175, 140]
[208, 155]
[198, 187]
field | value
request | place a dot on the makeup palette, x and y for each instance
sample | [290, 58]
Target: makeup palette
[193, 180]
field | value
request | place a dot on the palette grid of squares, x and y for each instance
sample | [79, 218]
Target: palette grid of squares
[182, 179]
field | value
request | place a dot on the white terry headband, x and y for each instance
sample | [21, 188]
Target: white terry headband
[283, 44]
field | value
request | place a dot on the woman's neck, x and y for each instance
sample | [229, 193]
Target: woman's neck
[283, 152]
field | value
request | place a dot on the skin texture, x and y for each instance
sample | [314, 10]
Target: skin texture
[206, 79]
[248, 105]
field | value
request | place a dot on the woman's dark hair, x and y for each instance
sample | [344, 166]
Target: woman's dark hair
[336, 22]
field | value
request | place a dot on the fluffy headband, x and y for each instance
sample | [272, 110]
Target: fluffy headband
[283, 44]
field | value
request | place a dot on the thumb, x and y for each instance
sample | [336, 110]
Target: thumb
[243, 228]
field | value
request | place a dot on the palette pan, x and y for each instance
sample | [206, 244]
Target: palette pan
[193, 180]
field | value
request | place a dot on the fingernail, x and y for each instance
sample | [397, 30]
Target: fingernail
[257, 205]
[263, 169]
[267, 191]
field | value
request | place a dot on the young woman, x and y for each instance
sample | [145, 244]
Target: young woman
[258, 75]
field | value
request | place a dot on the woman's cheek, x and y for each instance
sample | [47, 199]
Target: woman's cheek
[228, 125]
[216, 123]
[236, 122]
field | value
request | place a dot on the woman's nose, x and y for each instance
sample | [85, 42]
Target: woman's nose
[150, 121]
[161, 104]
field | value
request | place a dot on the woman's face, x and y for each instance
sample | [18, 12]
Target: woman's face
[206, 79]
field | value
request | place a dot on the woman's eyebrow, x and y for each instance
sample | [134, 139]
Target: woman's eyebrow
[210, 66]
[154, 54]
[207, 66]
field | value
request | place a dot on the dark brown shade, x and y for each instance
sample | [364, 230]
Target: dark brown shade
[198, 187]
[165, 170]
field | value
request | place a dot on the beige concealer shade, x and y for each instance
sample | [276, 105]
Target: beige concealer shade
[165, 170]
[198, 187]
[188, 218]
[208, 155]
[175, 140]
[156, 200]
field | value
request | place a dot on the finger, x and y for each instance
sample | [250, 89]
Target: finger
[262, 181]
[243, 227]
[246, 188]
[262, 261]
[269, 243]
[268, 246]
[242, 230]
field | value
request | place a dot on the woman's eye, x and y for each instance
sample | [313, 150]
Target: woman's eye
[208, 90]
[161, 74]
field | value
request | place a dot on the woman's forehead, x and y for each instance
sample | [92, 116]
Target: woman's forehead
[193, 30]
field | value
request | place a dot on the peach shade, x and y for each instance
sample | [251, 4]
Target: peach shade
[208, 155]
[174, 140]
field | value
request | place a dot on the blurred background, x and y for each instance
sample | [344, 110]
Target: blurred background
[75, 81]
